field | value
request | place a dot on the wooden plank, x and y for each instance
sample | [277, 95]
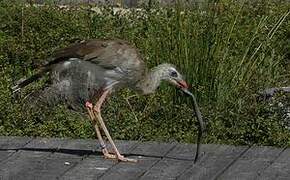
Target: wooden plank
[51, 168]
[13, 142]
[33, 176]
[76, 146]
[81, 144]
[54, 158]
[89, 169]
[167, 169]
[65, 156]
[279, 169]
[58, 163]
[215, 160]
[22, 165]
[153, 149]
[187, 151]
[5, 154]
[19, 165]
[93, 145]
[45, 143]
[124, 147]
[130, 171]
[251, 163]
[37, 165]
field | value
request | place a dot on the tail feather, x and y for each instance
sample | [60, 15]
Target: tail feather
[44, 69]
[26, 81]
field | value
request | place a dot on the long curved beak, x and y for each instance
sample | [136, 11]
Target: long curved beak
[180, 83]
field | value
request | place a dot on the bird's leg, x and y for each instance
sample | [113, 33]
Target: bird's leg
[97, 112]
[119, 156]
[97, 107]
[105, 151]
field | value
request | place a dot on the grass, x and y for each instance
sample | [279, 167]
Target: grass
[227, 51]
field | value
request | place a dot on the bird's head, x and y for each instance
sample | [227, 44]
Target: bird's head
[170, 74]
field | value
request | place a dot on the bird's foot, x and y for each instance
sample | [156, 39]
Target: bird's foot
[108, 155]
[123, 159]
[119, 157]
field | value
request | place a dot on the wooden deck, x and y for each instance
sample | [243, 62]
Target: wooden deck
[26, 158]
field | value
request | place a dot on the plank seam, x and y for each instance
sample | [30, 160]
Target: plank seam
[5, 159]
[87, 152]
[62, 174]
[142, 174]
[271, 162]
[108, 170]
[178, 177]
[160, 158]
[14, 149]
[230, 164]
[128, 154]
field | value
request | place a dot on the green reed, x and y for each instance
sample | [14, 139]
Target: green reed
[227, 51]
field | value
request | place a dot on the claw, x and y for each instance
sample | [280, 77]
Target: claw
[119, 157]
[123, 159]
[107, 155]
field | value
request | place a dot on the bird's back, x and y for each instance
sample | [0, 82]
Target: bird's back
[81, 71]
[116, 55]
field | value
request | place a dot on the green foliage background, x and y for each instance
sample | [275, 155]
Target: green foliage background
[228, 52]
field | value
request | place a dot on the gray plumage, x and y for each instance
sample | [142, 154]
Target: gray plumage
[81, 72]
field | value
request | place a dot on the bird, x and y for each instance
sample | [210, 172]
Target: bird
[84, 74]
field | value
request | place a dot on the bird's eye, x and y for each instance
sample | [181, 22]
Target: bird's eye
[173, 74]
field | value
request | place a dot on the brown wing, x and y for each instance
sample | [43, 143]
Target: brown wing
[106, 53]
[77, 50]
[116, 55]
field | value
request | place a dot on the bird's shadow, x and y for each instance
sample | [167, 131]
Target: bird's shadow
[78, 152]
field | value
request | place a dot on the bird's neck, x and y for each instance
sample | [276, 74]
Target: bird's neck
[150, 81]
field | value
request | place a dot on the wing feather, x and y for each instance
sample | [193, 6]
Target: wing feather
[116, 55]
[108, 54]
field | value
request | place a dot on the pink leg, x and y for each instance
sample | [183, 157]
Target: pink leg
[97, 107]
[97, 130]
[97, 110]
